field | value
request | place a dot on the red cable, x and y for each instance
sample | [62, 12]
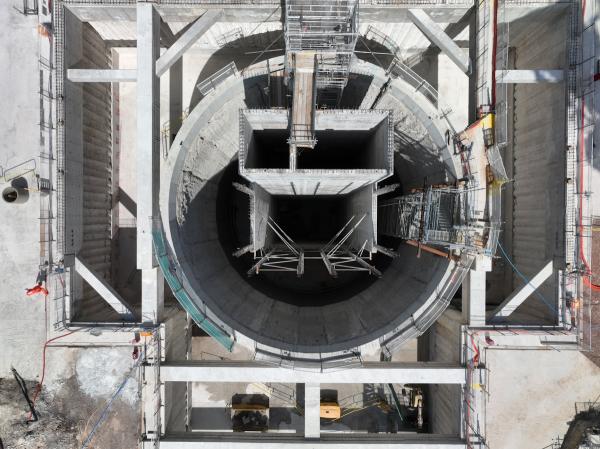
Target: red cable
[587, 281]
[494, 51]
[38, 387]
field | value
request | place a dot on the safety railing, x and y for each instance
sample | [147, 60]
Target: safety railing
[465, 3]
[230, 36]
[167, 133]
[473, 399]
[319, 362]
[172, 273]
[152, 358]
[212, 82]
[29, 8]
[416, 326]
[302, 135]
[398, 69]
[58, 39]
[375, 35]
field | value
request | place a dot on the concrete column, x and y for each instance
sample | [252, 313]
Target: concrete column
[474, 292]
[148, 158]
[312, 410]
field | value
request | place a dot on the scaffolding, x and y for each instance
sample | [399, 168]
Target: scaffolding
[329, 28]
[435, 215]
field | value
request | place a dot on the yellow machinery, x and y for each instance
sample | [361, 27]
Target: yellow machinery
[330, 410]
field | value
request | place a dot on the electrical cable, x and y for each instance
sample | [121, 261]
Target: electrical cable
[525, 279]
[586, 280]
[38, 388]
[104, 413]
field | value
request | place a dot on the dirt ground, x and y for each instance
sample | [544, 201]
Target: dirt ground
[65, 419]
[591, 319]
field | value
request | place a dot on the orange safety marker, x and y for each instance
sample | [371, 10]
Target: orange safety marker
[36, 290]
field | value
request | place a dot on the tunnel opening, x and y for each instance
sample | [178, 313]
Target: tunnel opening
[309, 219]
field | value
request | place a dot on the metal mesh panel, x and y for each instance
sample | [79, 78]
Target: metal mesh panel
[169, 269]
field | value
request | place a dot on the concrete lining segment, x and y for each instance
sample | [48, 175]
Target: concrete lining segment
[438, 37]
[203, 291]
[101, 76]
[367, 373]
[191, 35]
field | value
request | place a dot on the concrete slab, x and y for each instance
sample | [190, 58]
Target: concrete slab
[22, 323]
[531, 403]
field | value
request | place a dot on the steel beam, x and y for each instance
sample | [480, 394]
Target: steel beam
[188, 39]
[369, 372]
[107, 293]
[517, 298]
[529, 76]
[102, 76]
[437, 36]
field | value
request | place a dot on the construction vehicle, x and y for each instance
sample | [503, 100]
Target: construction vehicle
[250, 413]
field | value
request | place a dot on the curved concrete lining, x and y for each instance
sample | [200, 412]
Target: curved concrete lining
[409, 288]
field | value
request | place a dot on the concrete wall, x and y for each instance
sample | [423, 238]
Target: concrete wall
[538, 149]
[444, 400]
[88, 183]
[358, 203]
[262, 210]
[379, 147]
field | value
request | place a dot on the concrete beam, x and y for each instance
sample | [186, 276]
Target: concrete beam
[107, 293]
[517, 298]
[312, 411]
[529, 76]
[438, 37]
[248, 372]
[224, 442]
[251, 12]
[148, 159]
[188, 39]
[102, 76]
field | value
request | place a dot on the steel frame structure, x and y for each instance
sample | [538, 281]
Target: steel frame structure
[436, 215]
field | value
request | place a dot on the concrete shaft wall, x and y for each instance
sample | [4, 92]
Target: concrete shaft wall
[538, 121]
[89, 167]
[193, 171]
